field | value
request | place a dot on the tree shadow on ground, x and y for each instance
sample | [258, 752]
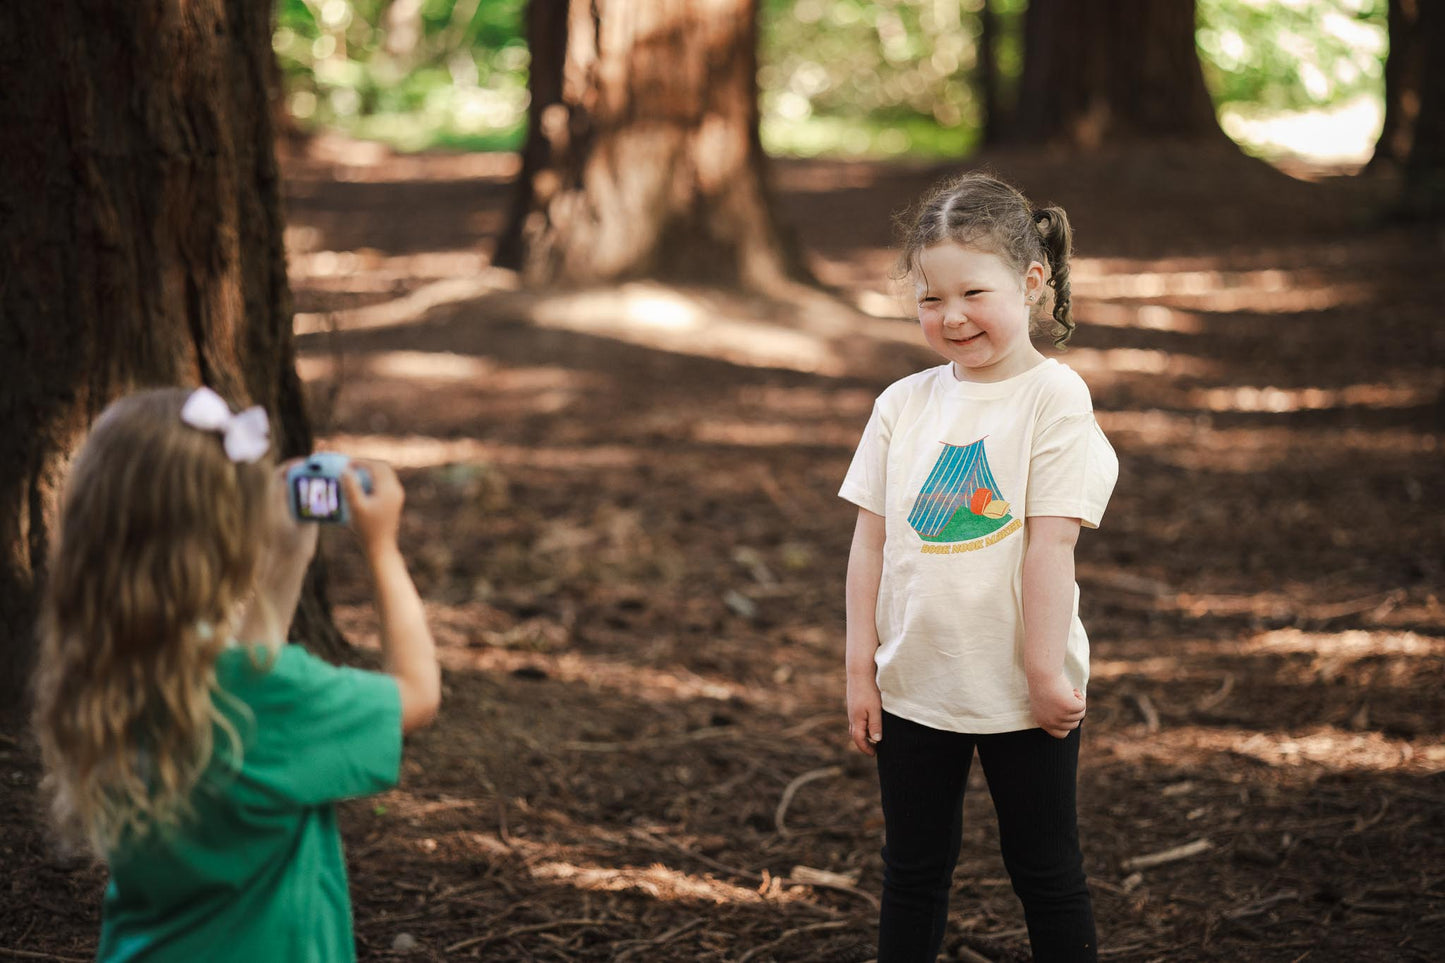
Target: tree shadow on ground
[622, 514]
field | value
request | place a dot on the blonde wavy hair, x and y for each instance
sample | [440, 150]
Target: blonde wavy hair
[156, 548]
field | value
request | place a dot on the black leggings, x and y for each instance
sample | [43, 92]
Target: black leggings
[1031, 775]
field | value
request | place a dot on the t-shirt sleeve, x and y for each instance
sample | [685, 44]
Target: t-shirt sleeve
[324, 732]
[866, 484]
[1072, 470]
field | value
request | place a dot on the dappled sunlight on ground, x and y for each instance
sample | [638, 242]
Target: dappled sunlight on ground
[423, 451]
[1109, 362]
[622, 515]
[1325, 750]
[1149, 317]
[657, 881]
[1250, 398]
[656, 318]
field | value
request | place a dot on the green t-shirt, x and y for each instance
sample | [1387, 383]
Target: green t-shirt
[258, 874]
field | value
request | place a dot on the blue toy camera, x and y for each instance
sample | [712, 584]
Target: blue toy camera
[315, 487]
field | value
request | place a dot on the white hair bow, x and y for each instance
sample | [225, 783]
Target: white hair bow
[246, 435]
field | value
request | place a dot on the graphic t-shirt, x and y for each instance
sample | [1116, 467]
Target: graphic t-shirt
[955, 467]
[258, 872]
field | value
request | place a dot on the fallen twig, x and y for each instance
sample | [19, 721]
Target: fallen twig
[696, 735]
[1218, 696]
[502, 832]
[520, 930]
[28, 955]
[637, 946]
[1147, 710]
[1259, 906]
[1169, 855]
[819, 879]
[810, 928]
[693, 854]
[794, 786]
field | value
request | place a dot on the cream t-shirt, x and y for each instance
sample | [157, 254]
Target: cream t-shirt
[955, 467]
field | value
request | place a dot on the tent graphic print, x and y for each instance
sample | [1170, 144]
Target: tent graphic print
[960, 499]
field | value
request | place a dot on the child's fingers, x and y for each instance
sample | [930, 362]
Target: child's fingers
[865, 730]
[859, 735]
[351, 487]
[385, 486]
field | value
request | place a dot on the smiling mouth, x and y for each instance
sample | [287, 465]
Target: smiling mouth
[969, 340]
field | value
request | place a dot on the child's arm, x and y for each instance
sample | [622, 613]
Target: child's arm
[865, 569]
[1048, 604]
[284, 559]
[406, 641]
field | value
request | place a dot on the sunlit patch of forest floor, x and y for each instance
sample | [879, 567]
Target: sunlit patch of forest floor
[622, 514]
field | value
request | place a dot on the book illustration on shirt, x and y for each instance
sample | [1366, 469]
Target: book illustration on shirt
[960, 500]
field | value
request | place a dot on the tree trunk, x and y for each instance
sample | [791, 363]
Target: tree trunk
[1097, 71]
[1403, 68]
[643, 156]
[141, 244]
[1424, 195]
[987, 73]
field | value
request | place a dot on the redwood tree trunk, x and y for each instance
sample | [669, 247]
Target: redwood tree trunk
[1102, 70]
[140, 244]
[1424, 194]
[1404, 66]
[643, 156]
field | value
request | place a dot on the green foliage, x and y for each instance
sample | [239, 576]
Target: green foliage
[861, 77]
[1291, 54]
[877, 77]
[414, 72]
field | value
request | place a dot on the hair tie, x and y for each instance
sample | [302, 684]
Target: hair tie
[246, 435]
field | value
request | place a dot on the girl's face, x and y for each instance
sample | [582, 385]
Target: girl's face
[974, 310]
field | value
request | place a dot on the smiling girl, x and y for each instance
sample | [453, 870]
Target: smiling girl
[972, 481]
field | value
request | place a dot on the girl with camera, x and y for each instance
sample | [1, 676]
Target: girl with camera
[184, 741]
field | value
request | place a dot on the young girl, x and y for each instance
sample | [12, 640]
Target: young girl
[182, 739]
[972, 480]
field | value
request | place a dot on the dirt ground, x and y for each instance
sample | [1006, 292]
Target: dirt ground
[622, 514]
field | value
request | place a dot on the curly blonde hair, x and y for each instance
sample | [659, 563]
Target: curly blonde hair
[156, 548]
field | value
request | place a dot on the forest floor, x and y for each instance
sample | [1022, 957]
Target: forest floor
[622, 514]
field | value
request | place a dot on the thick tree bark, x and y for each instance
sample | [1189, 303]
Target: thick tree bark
[1097, 71]
[643, 156]
[1424, 195]
[140, 244]
[1403, 69]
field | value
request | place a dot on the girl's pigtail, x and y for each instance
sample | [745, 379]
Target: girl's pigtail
[1058, 241]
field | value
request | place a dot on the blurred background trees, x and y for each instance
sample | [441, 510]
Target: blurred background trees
[1102, 70]
[878, 78]
[142, 231]
[642, 155]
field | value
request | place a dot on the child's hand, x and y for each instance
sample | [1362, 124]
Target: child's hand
[377, 516]
[865, 715]
[290, 544]
[1057, 706]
